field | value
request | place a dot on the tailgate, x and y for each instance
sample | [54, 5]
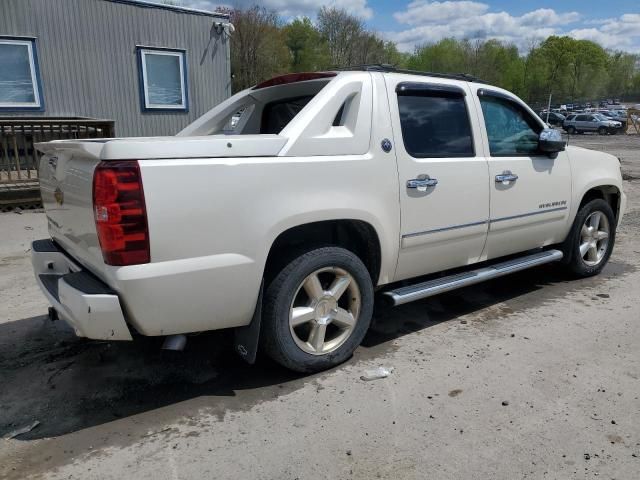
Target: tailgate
[66, 184]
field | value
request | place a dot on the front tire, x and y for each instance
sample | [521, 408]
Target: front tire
[591, 240]
[317, 310]
[571, 130]
[602, 131]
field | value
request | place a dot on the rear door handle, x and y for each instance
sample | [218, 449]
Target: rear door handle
[421, 184]
[506, 177]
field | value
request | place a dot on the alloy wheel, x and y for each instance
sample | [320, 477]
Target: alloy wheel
[324, 310]
[594, 238]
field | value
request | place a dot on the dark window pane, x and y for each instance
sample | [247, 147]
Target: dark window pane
[276, 115]
[16, 86]
[164, 84]
[511, 130]
[435, 125]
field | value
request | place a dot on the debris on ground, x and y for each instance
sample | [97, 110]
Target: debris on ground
[505, 403]
[21, 431]
[376, 373]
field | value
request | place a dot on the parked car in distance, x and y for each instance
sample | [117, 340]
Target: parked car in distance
[552, 118]
[331, 188]
[590, 122]
[615, 116]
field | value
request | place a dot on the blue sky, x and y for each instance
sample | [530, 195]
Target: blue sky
[614, 24]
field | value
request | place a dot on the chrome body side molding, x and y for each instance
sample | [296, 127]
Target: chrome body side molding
[481, 222]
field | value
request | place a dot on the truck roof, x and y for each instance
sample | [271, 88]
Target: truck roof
[305, 76]
[382, 67]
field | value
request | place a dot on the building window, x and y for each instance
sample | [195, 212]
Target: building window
[163, 79]
[19, 76]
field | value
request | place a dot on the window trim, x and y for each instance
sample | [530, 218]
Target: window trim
[483, 92]
[424, 89]
[145, 105]
[36, 80]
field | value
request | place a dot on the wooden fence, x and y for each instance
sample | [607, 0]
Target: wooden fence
[18, 157]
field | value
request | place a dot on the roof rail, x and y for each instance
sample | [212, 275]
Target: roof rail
[383, 67]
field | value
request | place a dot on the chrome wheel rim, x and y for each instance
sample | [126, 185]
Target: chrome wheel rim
[324, 310]
[594, 238]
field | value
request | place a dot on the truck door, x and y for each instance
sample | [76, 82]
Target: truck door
[530, 192]
[444, 192]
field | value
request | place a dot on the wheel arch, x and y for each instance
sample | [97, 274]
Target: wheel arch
[609, 193]
[357, 236]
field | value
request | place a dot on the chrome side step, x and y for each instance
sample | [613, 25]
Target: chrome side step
[410, 293]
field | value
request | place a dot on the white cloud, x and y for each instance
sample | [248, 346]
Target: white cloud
[430, 21]
[290, 8]
[544, 17]
[422, 12]
[622, 33]
[472, 20]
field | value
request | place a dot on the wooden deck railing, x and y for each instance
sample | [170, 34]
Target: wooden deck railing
[19, 159]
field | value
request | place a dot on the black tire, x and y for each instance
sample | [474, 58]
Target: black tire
[276, 336]
[571, 130]
[575, 263]
[602, 131]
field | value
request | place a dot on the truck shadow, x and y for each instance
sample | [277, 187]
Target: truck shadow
[69, 384]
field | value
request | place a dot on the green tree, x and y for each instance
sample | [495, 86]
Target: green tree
[258, 48]
[622, 68]
[308, 50]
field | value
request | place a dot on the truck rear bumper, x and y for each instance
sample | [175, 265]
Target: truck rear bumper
[87, 304]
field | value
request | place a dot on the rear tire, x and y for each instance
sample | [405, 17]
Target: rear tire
[591, 239]
[317, 310]
[602, 131]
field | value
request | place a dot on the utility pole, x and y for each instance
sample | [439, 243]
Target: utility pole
[548, 108]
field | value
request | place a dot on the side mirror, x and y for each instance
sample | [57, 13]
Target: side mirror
[551, 142]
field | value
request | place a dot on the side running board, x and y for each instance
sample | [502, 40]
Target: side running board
[410, 293]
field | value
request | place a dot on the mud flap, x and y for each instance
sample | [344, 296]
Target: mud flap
[246, 338]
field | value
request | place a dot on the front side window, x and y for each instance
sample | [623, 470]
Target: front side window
[19, 82]
[163, 79]
[435, 124]
[510, 128]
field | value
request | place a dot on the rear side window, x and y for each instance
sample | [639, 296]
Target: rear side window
[435, 124]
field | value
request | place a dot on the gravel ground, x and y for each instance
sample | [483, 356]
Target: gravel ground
[529, 376]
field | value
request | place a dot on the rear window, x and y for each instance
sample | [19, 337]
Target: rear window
[277, 115]
[435, 124]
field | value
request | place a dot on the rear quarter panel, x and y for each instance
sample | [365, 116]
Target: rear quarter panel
[213, 221]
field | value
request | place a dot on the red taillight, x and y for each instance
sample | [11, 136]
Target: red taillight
[120, 213]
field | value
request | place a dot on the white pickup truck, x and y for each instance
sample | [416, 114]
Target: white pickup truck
[285, 209]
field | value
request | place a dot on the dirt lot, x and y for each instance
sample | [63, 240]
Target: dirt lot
[530, 376]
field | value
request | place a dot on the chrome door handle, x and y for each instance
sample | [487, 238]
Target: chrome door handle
[422, 183]
[506, 177]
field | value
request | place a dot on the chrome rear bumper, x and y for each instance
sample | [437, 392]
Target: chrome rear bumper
[86, 303]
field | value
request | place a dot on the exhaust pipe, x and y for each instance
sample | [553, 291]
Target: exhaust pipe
[175, 343]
